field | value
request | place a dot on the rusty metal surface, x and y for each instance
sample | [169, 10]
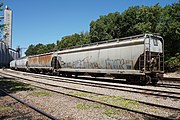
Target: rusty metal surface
[43, 60]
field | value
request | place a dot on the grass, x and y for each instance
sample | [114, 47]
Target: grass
[4, 109]
[40, 94]
[109, 112]
[97, 106]
[80, 94]
[83, 106]
[113, 100]
[117, 100]
[20, 88]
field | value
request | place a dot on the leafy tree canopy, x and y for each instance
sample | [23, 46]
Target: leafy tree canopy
[73, 40]
[135, 20]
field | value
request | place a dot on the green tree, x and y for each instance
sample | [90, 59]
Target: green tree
[147, 19]
[106, 27]
[40, 48]
[30, 50]
[73, 40]
[169, 27]
[50, 48]
[135, 20]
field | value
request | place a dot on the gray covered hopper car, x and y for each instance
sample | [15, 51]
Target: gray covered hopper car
[137, 58]
[6, 55]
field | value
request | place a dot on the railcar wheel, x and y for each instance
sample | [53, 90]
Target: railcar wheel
[131, 80]
[154, 81]
[69, 75]
[76, 75]
[143, 80]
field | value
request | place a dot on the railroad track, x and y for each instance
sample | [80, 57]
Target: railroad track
[169, 85]
[119, 107]
[146, 91]
[30, 106]
[161, 84]
[168, 79]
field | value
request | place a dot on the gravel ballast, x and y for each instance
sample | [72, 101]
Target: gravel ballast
[66, 107]
[10, 109]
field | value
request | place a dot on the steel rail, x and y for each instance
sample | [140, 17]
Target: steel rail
[168, 86]
[171, 85]
[67, 79]
[154, 94]
[106, 86]
[30, 106]
[170, 79]
[110, 105]
[152, 104]
[98, 84]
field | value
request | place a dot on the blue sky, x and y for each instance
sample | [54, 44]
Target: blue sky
[46, 21]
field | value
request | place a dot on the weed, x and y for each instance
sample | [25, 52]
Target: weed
[40, 94]
[117, 100]
[80, 94]
[83, 106]
[96, 106]
[20, 88]
[109, 112]
[4, 109]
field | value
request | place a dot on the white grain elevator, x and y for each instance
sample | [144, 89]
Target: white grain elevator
[8, 27]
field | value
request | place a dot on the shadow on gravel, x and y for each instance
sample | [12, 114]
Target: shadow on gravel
[12, 86]
[17, 115]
